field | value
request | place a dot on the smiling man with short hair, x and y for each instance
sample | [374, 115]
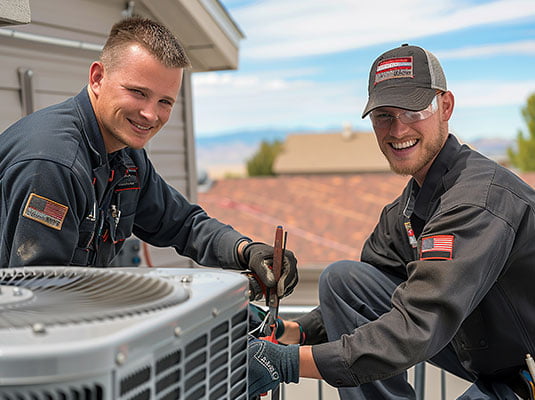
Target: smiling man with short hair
[75, 181]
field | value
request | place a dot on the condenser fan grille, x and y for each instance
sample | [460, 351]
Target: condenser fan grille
[60, 295]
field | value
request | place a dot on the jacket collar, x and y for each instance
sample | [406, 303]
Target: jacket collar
[433, 183]
[90, 129]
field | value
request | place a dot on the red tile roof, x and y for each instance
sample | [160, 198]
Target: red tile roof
[328, 217]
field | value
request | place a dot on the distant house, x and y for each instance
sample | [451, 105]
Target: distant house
[330, 153]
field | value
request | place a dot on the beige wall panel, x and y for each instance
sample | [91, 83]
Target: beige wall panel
[167, 257]
[169, 165]
[167, 141]
[171, 137]
[87, 20]
[10, 111]
[61, 72]
[79, 20]
[52, 71]
[178, 184]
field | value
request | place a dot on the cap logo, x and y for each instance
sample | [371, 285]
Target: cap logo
[399, 67]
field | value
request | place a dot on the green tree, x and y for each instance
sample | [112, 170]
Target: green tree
[261, 163]
[523, 157]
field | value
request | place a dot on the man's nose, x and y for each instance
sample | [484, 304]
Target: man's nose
[398, 128]
[149, 112]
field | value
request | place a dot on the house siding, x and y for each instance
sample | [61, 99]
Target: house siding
[59, 72]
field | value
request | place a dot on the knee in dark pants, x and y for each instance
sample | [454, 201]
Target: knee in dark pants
[337, 276]
[357, 290]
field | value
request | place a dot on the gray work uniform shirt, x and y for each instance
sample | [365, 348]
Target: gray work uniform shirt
[65, 201]
[469, 277]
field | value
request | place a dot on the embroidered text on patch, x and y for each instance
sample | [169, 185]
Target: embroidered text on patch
[400, 67]
[438, 247]
[45, 211]
[129, 181]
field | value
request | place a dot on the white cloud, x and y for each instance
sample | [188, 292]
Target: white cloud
[281, 96]
[284, 29]
[523, 47]
[492, 93]
[225, 102]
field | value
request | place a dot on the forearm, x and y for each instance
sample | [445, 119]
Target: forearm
[292, 333]
[307, 365]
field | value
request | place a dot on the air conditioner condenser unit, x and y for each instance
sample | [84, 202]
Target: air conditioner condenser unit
[122, 334]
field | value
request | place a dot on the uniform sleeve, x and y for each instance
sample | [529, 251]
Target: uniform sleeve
[313, 327]
[40, 216]
[164, 217]
[387, 247]
[430, 306]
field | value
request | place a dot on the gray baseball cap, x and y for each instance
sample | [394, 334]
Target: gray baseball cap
[406, 77]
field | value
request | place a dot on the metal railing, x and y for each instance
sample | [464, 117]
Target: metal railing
[290, 312]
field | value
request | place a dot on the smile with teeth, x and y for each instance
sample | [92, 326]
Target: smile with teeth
[142, 127]
[404, 145]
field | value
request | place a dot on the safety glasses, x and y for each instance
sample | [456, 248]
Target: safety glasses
[382, 120]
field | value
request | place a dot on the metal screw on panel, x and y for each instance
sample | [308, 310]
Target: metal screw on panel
[186, 279]
[215, 312]
[120, 358]
[178, 331]
[38, 328]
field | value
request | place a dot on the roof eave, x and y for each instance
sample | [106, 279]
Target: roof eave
[209, 34]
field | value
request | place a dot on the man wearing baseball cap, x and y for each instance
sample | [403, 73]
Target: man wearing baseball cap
[446, 276]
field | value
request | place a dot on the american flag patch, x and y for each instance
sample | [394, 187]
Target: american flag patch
[45, 211]
[401, 67]
[438, 247]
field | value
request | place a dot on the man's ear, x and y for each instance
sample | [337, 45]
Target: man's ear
[96, 74]
[448, 101]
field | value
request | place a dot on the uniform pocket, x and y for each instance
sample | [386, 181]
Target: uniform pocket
[472, 334]
[86, 234]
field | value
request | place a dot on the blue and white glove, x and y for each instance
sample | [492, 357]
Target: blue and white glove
[271, 364]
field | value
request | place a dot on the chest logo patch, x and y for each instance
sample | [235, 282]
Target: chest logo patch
[129, 180]
[438, 247]
[45, 211]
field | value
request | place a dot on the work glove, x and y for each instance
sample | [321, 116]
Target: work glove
[271, 364]
[258, 258]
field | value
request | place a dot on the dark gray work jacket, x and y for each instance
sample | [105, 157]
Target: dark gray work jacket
[470, 279]
[65, 201]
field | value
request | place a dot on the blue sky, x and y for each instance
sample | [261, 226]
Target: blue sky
[304, 64]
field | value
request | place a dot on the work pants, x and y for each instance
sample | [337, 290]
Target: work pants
[352, 294]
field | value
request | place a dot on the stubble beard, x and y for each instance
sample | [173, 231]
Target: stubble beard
[430, 151]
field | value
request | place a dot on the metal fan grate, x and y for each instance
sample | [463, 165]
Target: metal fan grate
[60, 295]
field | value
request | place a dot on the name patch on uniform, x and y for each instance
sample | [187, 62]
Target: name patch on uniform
[400, 67]
[129, 181]
[438, 247]
[45, 211]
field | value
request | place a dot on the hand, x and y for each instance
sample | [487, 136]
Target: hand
[259, 259]
[271, 364]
